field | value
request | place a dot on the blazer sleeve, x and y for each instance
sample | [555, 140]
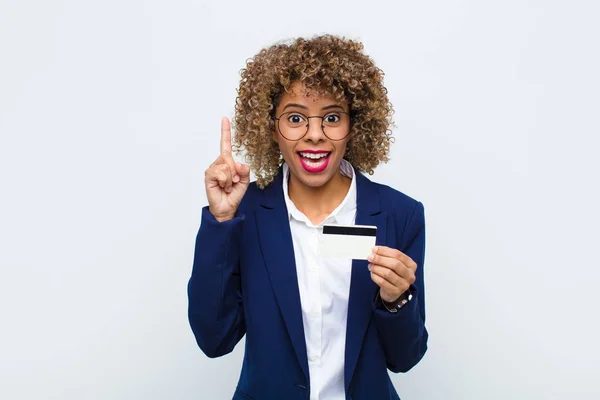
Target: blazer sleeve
[403, 334]
[215, 309]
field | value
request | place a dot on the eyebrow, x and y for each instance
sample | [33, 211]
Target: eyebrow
[306, 108]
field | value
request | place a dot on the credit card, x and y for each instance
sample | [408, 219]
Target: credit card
[347, 241]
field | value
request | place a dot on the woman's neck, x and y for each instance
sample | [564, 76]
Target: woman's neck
[318, 202]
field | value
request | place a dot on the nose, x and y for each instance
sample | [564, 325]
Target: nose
[315, 130]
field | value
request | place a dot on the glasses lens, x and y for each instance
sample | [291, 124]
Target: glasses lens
[336, 125]
[293, 125]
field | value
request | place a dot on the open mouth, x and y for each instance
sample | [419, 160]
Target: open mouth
[314, 161]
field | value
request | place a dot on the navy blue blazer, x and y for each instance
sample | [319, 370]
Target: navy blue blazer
[244, 282]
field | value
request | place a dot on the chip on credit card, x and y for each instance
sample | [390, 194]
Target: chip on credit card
[347, 241]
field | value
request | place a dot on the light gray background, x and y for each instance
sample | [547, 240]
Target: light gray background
[109, 115]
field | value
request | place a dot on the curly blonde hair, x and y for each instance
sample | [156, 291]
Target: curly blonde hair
[326, 65]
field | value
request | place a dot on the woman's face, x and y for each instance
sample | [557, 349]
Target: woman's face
[315, 158]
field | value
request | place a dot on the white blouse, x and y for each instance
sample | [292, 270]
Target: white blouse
[324, 285]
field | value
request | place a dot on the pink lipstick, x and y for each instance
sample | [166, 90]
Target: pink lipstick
[314, 161]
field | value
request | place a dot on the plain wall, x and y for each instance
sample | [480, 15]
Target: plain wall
[110, 113]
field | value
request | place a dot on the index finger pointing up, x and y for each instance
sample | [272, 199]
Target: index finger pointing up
[225, 136]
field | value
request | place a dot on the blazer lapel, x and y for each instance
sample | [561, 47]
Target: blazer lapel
[362, 288]
[277, 247]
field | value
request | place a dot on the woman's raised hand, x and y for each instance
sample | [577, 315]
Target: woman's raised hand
[225, 180]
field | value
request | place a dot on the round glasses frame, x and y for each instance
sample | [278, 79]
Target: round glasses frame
[308, 123]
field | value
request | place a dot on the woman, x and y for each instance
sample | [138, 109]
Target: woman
[311, 116]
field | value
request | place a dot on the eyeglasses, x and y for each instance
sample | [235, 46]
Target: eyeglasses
[294, 125]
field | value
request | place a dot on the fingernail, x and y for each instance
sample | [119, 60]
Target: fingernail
[370, 266]
[236, 178]
[374, 249]
[370, 257]
[228, 189]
